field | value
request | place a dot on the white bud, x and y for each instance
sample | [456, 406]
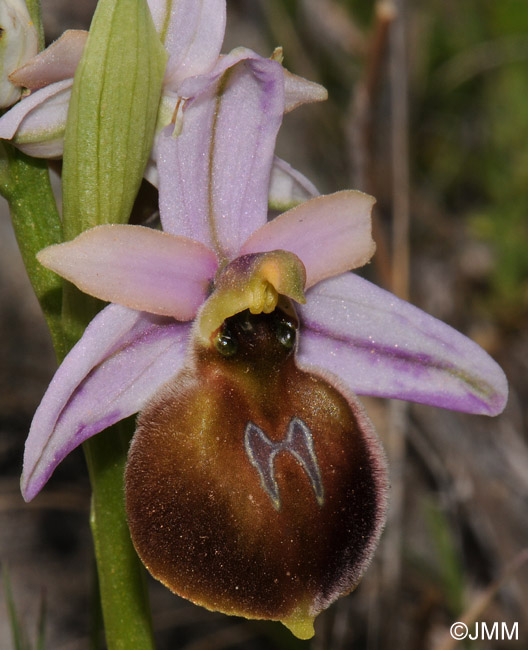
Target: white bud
[18, 43]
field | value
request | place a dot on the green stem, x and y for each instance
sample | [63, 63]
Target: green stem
[109, 133]
[96, 613]
[25, 183]
[122, 585]
[122, 582]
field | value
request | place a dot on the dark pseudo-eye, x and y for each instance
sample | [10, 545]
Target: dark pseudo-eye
[286, 334]
[226, 344]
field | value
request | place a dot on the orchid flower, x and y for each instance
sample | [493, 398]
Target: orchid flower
[255, 483]
[192, 33]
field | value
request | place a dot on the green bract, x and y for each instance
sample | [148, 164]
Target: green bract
[112, 115]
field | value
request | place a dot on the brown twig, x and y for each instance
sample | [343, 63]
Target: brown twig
[360, 126]
[398, 411]
[400, 155]
[365, 94]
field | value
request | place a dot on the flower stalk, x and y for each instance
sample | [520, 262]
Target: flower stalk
[25, 184]
[109, 133]
[105, 155]
[122, 584]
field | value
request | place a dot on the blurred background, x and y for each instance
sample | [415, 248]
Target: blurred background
[426, 111]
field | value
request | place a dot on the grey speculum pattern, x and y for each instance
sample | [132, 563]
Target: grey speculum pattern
[298, 442]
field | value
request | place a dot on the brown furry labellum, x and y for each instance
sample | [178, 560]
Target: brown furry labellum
[253, 486]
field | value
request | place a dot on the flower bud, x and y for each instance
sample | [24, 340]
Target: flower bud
[18, 43]
[255, 487]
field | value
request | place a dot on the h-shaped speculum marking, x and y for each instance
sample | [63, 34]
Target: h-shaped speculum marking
[298, 442]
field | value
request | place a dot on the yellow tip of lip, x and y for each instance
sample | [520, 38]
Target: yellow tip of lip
[302, 628]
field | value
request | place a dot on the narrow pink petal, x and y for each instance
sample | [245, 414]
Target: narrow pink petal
[298, 90]
[214, 176]
[123, 358]
[137, 267]
[193, 32]
[37, 123]
[380, 345]
[193, 87]
[56, 63]
[330, 234]
[288, 187]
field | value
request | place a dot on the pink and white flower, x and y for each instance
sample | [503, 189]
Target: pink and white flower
[214, 180]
